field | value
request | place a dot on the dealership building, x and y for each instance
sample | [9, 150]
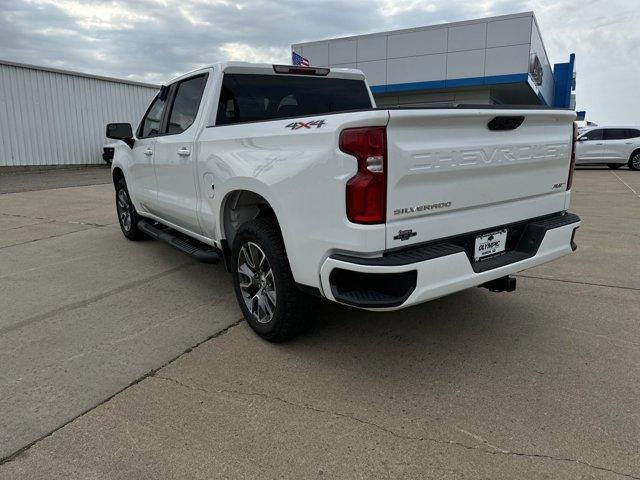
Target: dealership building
[497, 60]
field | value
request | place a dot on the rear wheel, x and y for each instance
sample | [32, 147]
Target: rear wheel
[127, 215]
[634, 161]
[614, 166]
[266, 291]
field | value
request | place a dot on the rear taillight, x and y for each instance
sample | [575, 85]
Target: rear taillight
[367, 190]
[573, 155]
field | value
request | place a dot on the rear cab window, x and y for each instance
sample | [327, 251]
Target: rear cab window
[251, 98]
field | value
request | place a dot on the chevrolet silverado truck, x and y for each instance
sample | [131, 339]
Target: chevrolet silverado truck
[304, 189]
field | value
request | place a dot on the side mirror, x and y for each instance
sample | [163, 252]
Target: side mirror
[580, 139]
[121, 131]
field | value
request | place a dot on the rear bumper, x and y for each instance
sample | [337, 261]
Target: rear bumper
[414, 275]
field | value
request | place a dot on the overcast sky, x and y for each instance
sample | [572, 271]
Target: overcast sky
[154, 40]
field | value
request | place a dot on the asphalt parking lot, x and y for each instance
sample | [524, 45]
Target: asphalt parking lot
[125, 360]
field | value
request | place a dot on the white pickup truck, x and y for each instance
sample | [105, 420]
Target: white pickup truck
[305, 189]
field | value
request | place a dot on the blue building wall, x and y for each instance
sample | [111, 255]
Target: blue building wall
[563, 76]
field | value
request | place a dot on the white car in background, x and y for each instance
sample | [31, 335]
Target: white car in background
[611, 146]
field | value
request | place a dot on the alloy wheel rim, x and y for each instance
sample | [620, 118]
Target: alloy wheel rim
[636, 160]
[124, 209]
[257, 283]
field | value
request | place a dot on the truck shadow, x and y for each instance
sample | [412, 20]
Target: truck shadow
[460, 334]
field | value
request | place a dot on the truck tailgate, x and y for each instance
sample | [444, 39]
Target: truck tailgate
[448, 173]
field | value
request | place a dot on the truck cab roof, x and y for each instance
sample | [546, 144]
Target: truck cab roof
[269, 69]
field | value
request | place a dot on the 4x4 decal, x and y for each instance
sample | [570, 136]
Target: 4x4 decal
[299, 125]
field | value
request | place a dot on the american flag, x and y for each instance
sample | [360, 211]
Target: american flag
[299, 60]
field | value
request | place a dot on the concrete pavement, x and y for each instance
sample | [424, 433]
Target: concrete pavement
[538, 383]
[24, 181]
[83, 312]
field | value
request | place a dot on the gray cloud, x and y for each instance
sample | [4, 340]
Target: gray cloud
[153, 40]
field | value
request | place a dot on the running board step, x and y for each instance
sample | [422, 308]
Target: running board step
[200, 251]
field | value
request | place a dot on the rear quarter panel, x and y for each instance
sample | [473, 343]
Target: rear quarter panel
[300, 172]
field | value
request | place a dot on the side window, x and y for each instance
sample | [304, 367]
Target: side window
[150, 125]
[227, 111]
[185, 104]
[633, 133]
[593, 135]
[616, 133]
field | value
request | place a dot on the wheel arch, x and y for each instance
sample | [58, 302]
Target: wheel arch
[630, 162]
[116, 175]
[239, 206]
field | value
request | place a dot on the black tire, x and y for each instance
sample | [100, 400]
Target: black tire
[127, 216]
[634, 161]
[292, 312]
[614, 166]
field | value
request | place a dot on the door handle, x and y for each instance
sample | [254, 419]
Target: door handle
[599, 143]
[184, 152]
[148, 152]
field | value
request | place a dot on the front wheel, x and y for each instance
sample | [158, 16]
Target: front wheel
[266, 291]
[127, 215]
[634, 161]
[614, 166]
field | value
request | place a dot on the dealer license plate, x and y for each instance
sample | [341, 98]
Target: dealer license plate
[489, 244]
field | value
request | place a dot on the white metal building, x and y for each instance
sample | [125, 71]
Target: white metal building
[485, 61]
[57, 117]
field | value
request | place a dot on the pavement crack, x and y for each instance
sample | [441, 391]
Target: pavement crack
[481, 440]
[39, 222]
[577, 282]
[56, 236]
[150, 373]
[39, 188]
[626, 184]
[44, 238]
[83, 303]
[71, 222]
[491, 450]
[28, 217]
